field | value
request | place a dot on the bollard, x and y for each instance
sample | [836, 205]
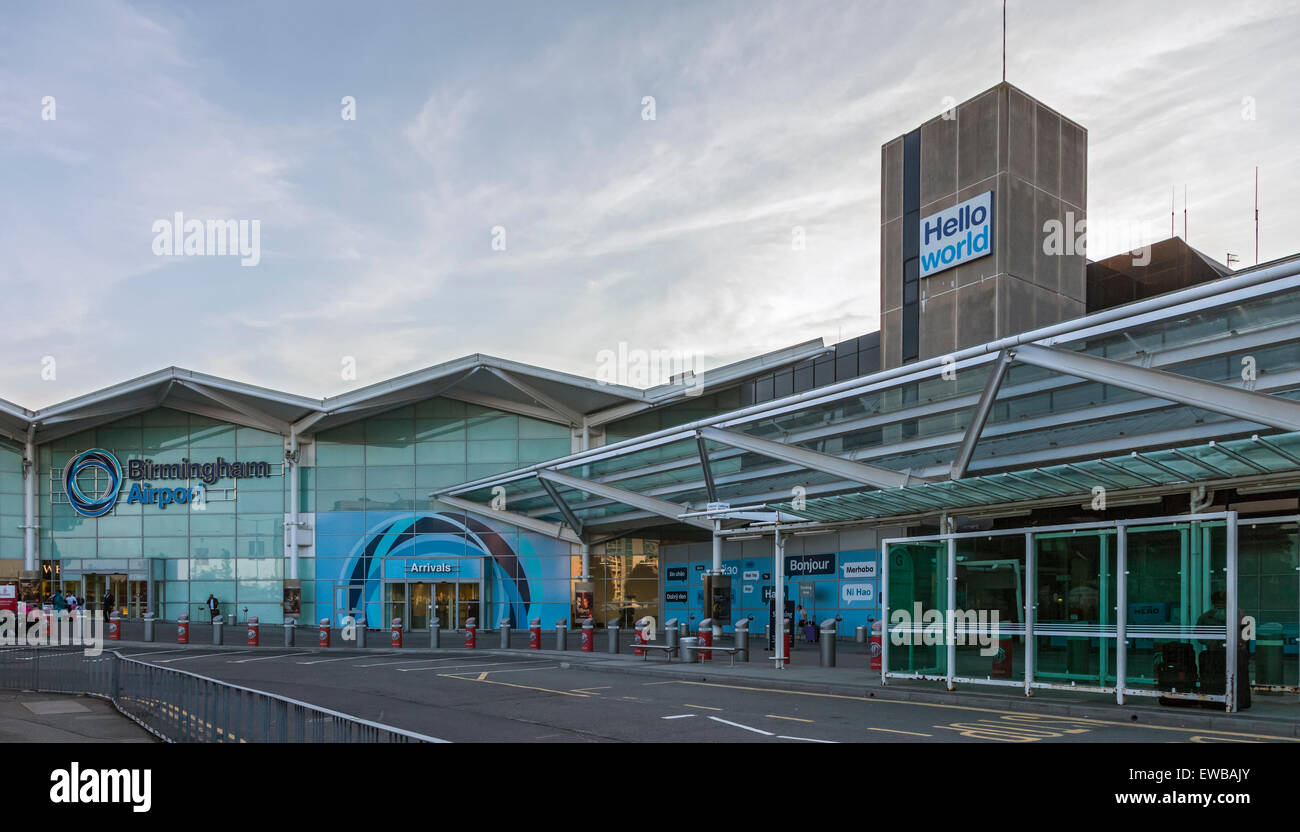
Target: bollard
[288, 631]
[217, 630]
[562, 634]
[324, 636]
[689, 651]
[504, 626]
[860, 634]
[115, 627]
[785, 639]
[588, 636]
[183, 630]
[641, 625]
[471, 633]
[254, 632]
[613, 637]
[148, 626]
[535, 634]
[828, 642]
[876, 648]
[706, 639]
[396, 635]
[670, 635]
[361, 631]
[435, 633]
[742, 639]
[1269, 649]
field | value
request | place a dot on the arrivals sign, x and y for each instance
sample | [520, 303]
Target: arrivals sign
[957, 235]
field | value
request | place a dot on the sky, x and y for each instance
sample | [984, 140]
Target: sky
[502, 190]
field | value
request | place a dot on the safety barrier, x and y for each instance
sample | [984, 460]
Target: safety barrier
[178, 706]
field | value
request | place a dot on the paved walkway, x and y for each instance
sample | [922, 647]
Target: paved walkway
[53, 717]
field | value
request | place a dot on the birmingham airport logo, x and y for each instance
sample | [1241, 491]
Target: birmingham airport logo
[84, 497]
[930, 627]
[37, 628]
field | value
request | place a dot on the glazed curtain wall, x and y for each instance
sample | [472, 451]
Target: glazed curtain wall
[371, 484]
[11, 503]
[231, 548]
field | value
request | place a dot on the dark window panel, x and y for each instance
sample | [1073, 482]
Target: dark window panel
[763, 389]
[803, 377]
[846, 366]
[747, 394]
[783, 384]
[824, 372]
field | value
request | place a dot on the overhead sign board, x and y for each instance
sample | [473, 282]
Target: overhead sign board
[957, 235]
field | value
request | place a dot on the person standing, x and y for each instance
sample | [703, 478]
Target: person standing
[214, 607]
[108, 603]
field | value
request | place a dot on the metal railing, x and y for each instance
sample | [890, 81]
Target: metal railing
[178, 706]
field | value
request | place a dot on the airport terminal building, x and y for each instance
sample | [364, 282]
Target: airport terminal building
[1107, 454]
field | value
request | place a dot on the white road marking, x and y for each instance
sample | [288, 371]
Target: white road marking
[264, 658]
[523, 669]
[411, 661]
[339, 659]
[155, 653]
[204, 656]
[679, 716]
[461, 666]
[746, 727]
[806, 739]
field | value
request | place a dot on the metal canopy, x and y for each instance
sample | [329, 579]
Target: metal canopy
[1186, 467]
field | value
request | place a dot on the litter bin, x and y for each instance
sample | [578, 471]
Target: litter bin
[684, 629]
[689, 649]
[860, 634]
[670, 634]
[828, 642]
[742, 639]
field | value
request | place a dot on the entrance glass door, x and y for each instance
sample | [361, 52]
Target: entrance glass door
[98, 586]
[444, 605]
[138, 599]
[467, 603]
[395, 603]
[421, 600]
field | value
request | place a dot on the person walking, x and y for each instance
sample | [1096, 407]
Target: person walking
[214, 607]
[60, 602]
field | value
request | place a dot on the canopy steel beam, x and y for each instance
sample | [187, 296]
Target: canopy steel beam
[569, 516]
[532, 524]
[980, 415]
[619, 495]
[708, 471]
[549, 402]
[872, 475]
[279, 425]
[1260, 408]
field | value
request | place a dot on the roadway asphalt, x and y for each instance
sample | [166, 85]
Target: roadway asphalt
[489, 696]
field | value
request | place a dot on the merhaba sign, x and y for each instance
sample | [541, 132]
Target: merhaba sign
[957, 235]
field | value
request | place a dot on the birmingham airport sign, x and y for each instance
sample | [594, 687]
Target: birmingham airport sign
[957, 235]
[97, 501]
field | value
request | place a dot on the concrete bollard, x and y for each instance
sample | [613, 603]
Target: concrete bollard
[435, 633]
[504, 627]
[742, 639]
[288, 632]
[217, 626]
[613, 638]
[562, 634]
[670, 635]
[148, 626]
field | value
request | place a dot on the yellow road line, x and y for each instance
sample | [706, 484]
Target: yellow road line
[482, 676]
[701, 707]
[892, 731]
[791, 718]
[1084, 720]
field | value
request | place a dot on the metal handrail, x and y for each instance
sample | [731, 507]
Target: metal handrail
[179, 706]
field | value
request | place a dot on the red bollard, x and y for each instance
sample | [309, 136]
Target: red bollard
[397, 632]
[183, 630]
[115, 627]
[535, 634]
[471, 633]
[876, 649]
[706, 639]
[588, 636]
[788, 640]
[324, 632]
[254, 630]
